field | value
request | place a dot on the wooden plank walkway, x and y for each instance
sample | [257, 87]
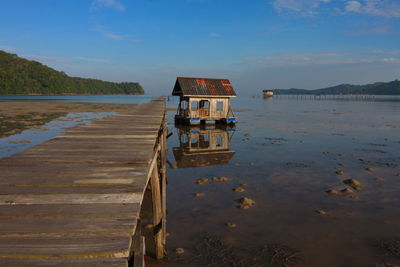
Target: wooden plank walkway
[75, 200]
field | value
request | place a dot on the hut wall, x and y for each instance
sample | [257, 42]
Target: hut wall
[214, 111]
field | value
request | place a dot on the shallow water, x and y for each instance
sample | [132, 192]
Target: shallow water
[287, 173]
[288, 163]
[28, 138]
[31, 137]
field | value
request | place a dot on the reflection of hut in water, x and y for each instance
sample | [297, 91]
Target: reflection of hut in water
[268, 93]
[200, 147]
[204, 100]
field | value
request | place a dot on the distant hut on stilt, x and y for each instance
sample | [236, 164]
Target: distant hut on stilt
[268, 93]
[204, 100]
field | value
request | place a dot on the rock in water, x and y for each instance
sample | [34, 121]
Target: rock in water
[246, 203]
[179, 251]
[247, 134]
[199, 194]
[231, 225]
[332, 192]
[353, 183]
[220, 179]
[339, 172]
[238, 189]
[321, 212]
[346, 191]
[369, 169]
[202, 181]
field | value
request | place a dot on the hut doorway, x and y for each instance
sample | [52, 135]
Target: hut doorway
[204, 108]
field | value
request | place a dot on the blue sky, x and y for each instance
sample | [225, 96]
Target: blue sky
[257, 44]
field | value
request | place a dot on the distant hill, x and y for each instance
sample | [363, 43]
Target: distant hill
[379, 88]
[19, 76]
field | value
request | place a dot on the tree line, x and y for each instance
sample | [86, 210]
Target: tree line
[19, 76]
[379, 88]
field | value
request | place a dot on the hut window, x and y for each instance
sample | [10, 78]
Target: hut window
[220, 106]
[195, 105]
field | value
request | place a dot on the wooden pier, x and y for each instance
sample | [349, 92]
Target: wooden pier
[76, 200]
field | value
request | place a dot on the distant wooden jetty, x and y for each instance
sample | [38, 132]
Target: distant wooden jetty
[76, 200]
[353, 97]
[204, 101]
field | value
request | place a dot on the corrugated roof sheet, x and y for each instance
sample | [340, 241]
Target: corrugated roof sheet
[203, 86]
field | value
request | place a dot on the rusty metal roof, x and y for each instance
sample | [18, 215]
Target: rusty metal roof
[185, 86]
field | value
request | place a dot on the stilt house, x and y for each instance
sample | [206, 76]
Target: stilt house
[204, 100]
[268, 93]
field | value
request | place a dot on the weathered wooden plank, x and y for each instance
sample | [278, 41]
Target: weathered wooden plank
[65, 247]
[73, 210]
[56, 262]
[46, 162]
[86, 188]
[70, 198]
[71, 157]
[110, 148]
[71, 181]
[132, 136]
[65, 226]
[78, 167]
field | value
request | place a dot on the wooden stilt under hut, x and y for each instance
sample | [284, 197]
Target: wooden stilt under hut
[204, 101]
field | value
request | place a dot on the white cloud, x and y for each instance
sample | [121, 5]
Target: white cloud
[8, 48]
[301, 7]
[96, 60]
[353, 6]
[108, 34]
[215, 35]
[113, 36]
[382, 8]
[136, 41]
[98, 4]
[326, 58]
[45, 59]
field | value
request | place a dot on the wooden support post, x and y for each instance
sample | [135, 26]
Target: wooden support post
[164, 181]
[138, 248]
[157, 212]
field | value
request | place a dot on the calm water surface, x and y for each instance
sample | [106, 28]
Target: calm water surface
[288, 163]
